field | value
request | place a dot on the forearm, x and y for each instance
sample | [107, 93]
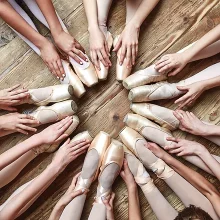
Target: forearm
[210, 161]
[11, 209]
[133, 204]
[203, 42]
[48, 10]
[91, 14]
[12, 18]
[57, 212]
[194, 178]
[143, 11]
[14, 153]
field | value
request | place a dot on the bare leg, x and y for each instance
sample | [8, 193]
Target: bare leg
[131, 8]
[184, 190]
[103, 10]
[73, 210]
[12, 170]
[158, 203]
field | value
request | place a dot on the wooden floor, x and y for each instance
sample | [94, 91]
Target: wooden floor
[171, 26]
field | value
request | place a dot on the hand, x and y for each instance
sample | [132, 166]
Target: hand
[99, 50]
[190, 123]
[156, 150]
[55, 133]
[193, 91]
[12, 96]
[70, 194]
[69, 152]
[18, 123]
[182, 147]
[52, 59]
[127, 176]
[109, 206]
[128, 43]
[171, 63]
[70, 46]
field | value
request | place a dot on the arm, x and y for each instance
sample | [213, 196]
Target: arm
[133, 204]
[62, 38]
[183, 147]
[194, 178]
[128, 41]
[23, 200]
[51, 134]
[174, 63]
[98, 46]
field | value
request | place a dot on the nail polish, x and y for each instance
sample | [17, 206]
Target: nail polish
[63, 75]
[81, 63]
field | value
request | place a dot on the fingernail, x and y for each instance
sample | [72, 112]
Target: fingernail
[63, 75]
[81, 62]
[103, 198]
[120, 63]
[83, 190]
[87, 60]
[58, 77]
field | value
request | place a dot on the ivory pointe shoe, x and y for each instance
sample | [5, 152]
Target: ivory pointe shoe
[103, 73]
[129, 138]
[142, 178]
[114, 154]
[44, 96]
[49, 148]
[154, 132]
[143, 77]
[86, 72]
[100, 144]
[72, 79]
[122, 72]
[157, 91]
[55, 112]
[163, 116]
[82, 136]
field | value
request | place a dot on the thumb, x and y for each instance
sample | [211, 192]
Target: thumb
[118, 45]
[182, 88]
[122, 174]
[106, 203]
[78, 192]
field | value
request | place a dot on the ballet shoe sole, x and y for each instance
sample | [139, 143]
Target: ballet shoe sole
[71, 90]
[74, 106]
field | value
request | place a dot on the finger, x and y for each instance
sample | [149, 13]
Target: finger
[177, 115]
[181, 154]
[133, 54]
[122, 55]
[105, 56]
[9, 108]
[184, 103]
[79, 46]
[19, 91]
[102, 59]
[73, 144]
[51, 68]
[66, 143]
[183, 98]
[112, 198]
[173, 146]
[136, 50]
[162, 64]
[71, 54]
[22, 131]
[118, 45]
[106, 203]
[75, 178]
[57, 70]
[13, 88]
[80, 152]
[26, 128]
[178, 150]
[65, 126]
[80, 148]
[77, 193]
[173, 139]
[95, 60]
[128, 57]
[122, 174]
[107, 49]
[29, 121]
[19, 97]
[182, 88]
[79, 54]
[166, 68]
[60, 66]
[62, 137]
[162, 59]
[60, 124]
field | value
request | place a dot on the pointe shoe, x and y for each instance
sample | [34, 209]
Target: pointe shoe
[114, 154]
[86, 72]
[100, 144]
[158, 91]
[139, 123]
[53, 147]
[55, 112]
[129, 138]
[44, 96]
[163, 116]
[122, 72]
[82, 136]
[142, 178]
[103, 73]
[143, 77]
[72, 79]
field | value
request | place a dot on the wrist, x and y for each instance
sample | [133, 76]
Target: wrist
[55, 167]
[132, 188]
[201, 151]
[93, 28]
[56, 32]
[41, 44]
